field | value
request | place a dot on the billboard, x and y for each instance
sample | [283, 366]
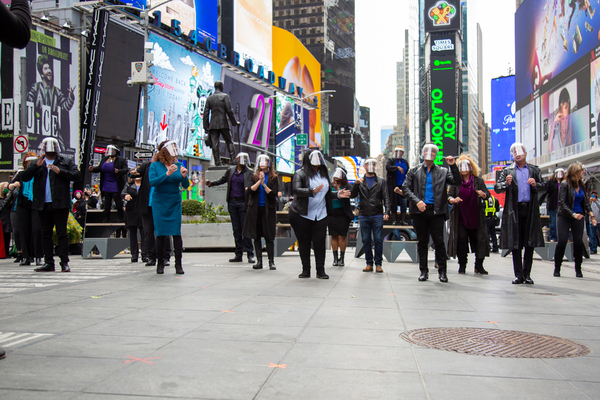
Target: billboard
[253, 36]
[184, 80]
[294, 63]
[549, 37]
[353, 166]
[443, 110]
[52, 89]
[198, 15]
[442, 15]
[503, 117]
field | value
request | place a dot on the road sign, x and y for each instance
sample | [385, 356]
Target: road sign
[139, 154]
[21, 144]
[302, 139]
[147, 146]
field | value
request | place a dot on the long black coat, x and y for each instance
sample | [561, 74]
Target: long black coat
[509, 238]
[270, 210]
[60, 183]
[143, 198]
[120, 165]
[132, 214]
[551, 194]
[483, 248]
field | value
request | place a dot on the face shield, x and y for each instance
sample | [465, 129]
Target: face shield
[111, 150]
[263, 161]
[49, 145]
[559, 173]
[464, 166]
[243, 158]
[370, 166]
[399, 152]
[430, 152]
[517, 149]
[316, 158]
[171, 147]
[339, 174]
[30, 159]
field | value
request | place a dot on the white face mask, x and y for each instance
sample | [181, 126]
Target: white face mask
[464, 166]
[171, 147]
[517, 150]
[338, 174]
[559, 174]
[430, 152]
[243, 158]
[111, 150]
[49, 145]
[370, 167]
[316, 158]
[263, 161]
[398, 154]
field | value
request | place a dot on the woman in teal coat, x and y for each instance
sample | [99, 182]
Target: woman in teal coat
[165, 177]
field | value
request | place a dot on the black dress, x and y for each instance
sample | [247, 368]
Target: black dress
[339, 222]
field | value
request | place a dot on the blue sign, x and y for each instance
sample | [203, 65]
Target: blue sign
[503, 117]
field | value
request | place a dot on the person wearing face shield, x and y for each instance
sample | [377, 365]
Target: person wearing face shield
[309, 210]
[166, 176]
[521, 222]
[113, 169]
[52, 176]
[396, 168]
[339, 221]
[261, 216]
[133, 218]
[551, 197]
[467, 217]
[594, 230]
[425, 187]
[216, 111]
[238, 177]
[373, 208]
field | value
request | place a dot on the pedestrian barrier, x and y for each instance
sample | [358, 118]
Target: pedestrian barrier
[98, 234]
[391, 248]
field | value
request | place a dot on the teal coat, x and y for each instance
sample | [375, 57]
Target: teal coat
[166, 199]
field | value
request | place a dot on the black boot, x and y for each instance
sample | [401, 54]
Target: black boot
[578, 273]
[258, 251]
[557, 266]
[341, 260]
[178, 266]
[479, 267]
[462, 269]
[271, 255]
[160, 266]
[305, 272]
[160, 254]
[335, 259]
[19, 258]
[402, 218]
[321, 273]
[442, 275]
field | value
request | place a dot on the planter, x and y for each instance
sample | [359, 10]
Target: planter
[189, 218]
[223, 218]
[203, 236]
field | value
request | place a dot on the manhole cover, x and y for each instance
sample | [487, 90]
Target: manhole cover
[495, 343]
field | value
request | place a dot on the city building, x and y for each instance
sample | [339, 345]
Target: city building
[365, 128]
[400, 137]
[385, 132]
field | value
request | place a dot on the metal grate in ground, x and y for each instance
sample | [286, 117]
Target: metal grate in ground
[495, 343]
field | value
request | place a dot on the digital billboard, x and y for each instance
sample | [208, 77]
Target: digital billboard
[442, 15]
[253, 36]
[199, 15]
[549, 37]
[443, 110]
[503, 117]
[294, 63]
[184, 80]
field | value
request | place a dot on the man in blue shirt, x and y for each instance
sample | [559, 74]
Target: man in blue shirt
[396, 168]
[521, 182]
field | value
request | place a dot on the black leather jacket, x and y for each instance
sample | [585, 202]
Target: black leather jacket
[302, 191]
[372, 201]
[566, 200]
[414, 186]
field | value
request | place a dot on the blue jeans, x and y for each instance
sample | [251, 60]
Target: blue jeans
[368, 226]
[552, 214]
[594, 236]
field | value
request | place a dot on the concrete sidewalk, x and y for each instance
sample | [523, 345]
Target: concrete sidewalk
[115, 330]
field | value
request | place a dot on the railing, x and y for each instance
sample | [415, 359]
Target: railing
[568, 151]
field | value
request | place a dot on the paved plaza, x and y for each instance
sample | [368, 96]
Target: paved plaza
[112, 330]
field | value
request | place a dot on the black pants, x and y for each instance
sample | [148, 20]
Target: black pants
[425, 223]
[490, 223]
[108, 199]
[310, 232]
[398, 200]
[462, 249]
[30, 231]
[14, 222]
[563, 225]
[133, 241]
[262, 232]
[49, 219]
[522, 266]
[237, 211]
[164, 242]
[149, 239]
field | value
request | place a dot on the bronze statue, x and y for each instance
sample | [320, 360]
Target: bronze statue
[218, 108]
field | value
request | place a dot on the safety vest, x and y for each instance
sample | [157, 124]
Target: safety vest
[490, 210]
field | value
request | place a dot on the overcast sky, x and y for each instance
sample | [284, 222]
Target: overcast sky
[379, 44]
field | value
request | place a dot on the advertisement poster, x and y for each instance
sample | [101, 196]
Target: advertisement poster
[353, 165]
[7, 114]
[503, 117]
[253, 36]
[53, 89]
[293, 62]
[201, 15]
[241, 91]
[184, 80]
[549, 37]
[288, 124]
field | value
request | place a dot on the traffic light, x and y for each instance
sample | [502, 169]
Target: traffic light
[197, 150]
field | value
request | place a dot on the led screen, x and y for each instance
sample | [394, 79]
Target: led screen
[288, 124]
[442, 15]
[253, 35]
[503, 117]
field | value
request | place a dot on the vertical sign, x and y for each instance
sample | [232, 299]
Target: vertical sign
[443, 121]
[93, 84]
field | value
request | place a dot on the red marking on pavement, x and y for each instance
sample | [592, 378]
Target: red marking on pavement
[559, 299]
[282, 366]
[229, 311]
[141, 359]
[205, 287]
[393, 294]
[492, 322]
